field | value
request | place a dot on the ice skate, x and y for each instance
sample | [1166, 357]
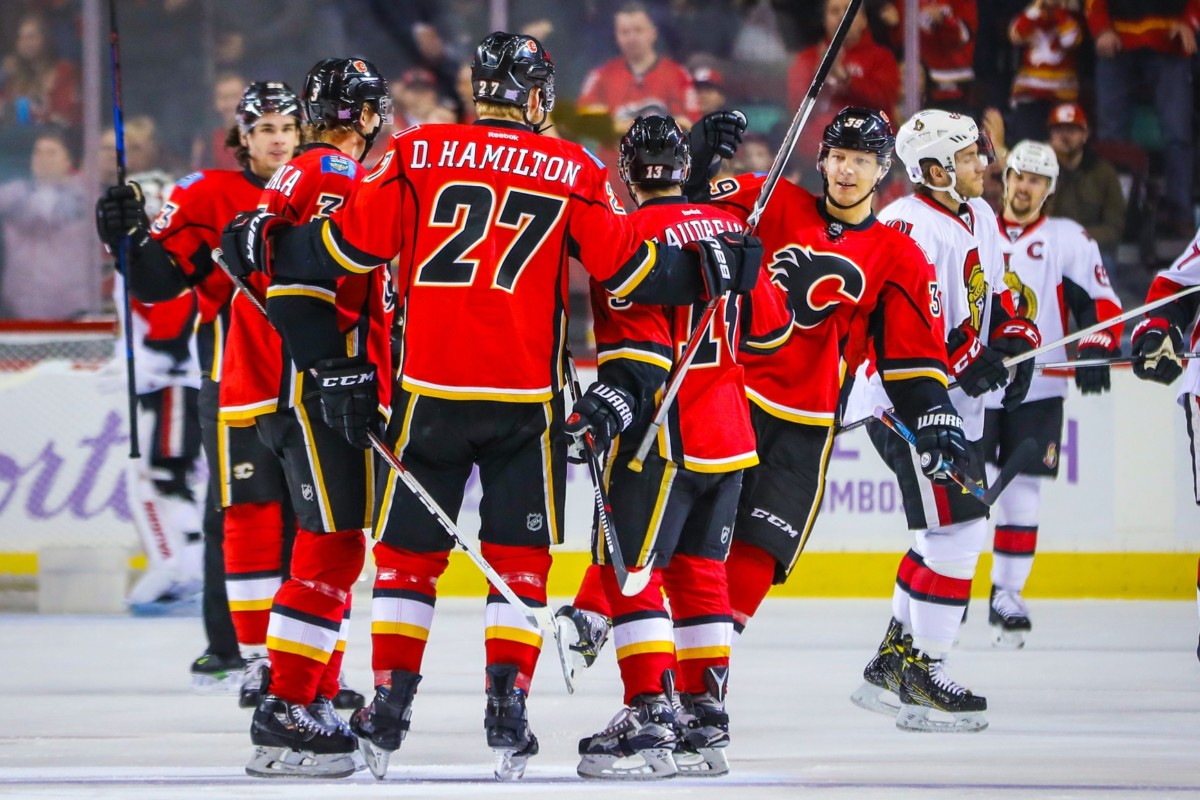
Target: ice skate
[290, 742]
[325, 712]
[925, 688]
[704, 728]
[1009, 617]
[581, 637]
[255, 678]
[506, 725]
[881, 677]
[640, 742]
[347, 699]
[382, 726]
[163, 592]
[217, 674]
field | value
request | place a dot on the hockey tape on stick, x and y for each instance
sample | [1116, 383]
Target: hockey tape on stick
[539, 616]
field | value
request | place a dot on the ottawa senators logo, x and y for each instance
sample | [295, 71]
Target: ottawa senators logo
[977, 288]
[816, 282]
[1024, 297]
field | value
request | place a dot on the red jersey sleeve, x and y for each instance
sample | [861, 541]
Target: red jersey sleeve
[906, 327]
[767, 317]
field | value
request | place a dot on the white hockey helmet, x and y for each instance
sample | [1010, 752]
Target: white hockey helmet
[937, 135]
[1035, 157]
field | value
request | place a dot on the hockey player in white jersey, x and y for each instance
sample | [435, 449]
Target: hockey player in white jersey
[1053, 268]
[945, 156]
[1157, 347]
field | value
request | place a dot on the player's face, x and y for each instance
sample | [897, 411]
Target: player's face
[1026, 193]
[851, 175]
[635, 34]
[272, 143]
[968, 170]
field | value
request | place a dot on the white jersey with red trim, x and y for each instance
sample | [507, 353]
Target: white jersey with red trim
[1053, 269]
[965, 252]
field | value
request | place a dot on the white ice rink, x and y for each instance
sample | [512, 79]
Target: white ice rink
[1104, 702]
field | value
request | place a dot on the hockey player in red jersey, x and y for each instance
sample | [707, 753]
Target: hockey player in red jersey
[483, 219]
[1053, 269]
[679, 509]
[172, 257]
[339, 329]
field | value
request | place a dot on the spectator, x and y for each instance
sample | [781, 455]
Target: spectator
[50, 268]
[710, 89]
[142, 153]
[639, 81]
[209, 150]
[1088, 190]
[1147, 45]
[1048, 35]
[755, 155]
[36, 86]
[417, 100]
[948, 30]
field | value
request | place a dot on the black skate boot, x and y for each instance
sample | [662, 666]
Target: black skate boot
[213, 673]
[704, 728]
[882, 673]
[255, 678]
[581, 636]
[1009, 617]
[639, 743]
[382, 726]
[925, 687]
[505, 723]
[347, 698]
[290, 742]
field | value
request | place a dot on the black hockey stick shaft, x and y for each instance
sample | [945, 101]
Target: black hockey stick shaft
[114, 51]
[760, 204]
[1025, 454]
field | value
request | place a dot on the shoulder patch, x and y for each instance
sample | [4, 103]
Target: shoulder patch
[592, 156]
[188, 180]
[339, 165]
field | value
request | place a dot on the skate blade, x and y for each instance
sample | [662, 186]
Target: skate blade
[509, 765]
[656, 763]
[873, 698]
[703, 762]
[182, 607]
[282, 762]
[916, 719]
[376, 758]
[570, 660]
[226, 686]
[1007, 640]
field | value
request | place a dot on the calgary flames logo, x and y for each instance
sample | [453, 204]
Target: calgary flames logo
[816, 283]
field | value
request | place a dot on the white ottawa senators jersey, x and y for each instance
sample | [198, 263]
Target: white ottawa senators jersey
[1054, 268]
[1183, 272]
[965, 252]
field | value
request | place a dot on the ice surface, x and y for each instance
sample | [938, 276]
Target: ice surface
[1104, 701]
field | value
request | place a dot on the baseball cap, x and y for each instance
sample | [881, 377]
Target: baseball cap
[1068, 114]
[419, 76]
[707, 76]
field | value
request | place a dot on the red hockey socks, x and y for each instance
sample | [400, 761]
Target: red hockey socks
[402, 607]
[253, 566]
[703, 623]
[642, 634]
[591, 596]
[509, 638]
[330, 683]
[750, 572]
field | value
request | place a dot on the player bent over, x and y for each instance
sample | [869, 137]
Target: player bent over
[1052, 267]
[679, 510]
[942, 154]
[483, 219]
[338, 329]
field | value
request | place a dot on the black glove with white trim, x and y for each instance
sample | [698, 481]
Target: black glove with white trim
[603, 411]
[941, 442]
[245, 242]
[350, 398]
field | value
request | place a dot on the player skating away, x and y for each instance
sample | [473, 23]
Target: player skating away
[483, 219]
[1053, 269]
[1157, 348]
[173, 257]
[340, 330]
[944, 156]
[680, 508]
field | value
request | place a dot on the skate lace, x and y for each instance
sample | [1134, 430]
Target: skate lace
[937, 673]
[621, 722]
[1009, 604]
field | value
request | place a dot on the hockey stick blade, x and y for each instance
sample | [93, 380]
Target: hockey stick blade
[1025, 454]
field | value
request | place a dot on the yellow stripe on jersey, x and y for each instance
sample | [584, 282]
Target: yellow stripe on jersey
[819, 419]
[634, 354]
[770, 344]
[400, 629]
[656, 516]
[826, 454]
[343, 260]
[639, 272]
[314, 463]
[303, 290]
[714, 465]
[638, 648]
[416, 387]
[908, 374]
[715, 651]
[508, 634]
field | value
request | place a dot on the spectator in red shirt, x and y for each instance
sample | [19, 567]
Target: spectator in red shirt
[36, 86]
[1048, 36]
[948, 30]
[710, 89]
[209, 150]
[639, 81]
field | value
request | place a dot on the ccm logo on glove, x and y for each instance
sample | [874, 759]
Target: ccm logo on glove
[347, 380]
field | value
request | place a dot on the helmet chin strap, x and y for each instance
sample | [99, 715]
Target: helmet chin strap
[950, 190]
[369, 138]
[537, 127]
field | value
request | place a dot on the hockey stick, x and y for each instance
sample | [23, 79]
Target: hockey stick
[1013, 361]
[760, 204]
[1024, 454]
[539, 616]
[1116, 361]
[114, 54]
[631, 583]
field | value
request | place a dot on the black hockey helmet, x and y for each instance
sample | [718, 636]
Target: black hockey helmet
[654, 152]
[337, 89]
[265, 97]
[864, 129]
[508, 66]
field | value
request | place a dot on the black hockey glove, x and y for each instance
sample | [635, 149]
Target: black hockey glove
[350, 398]
[603, 411]
[1096, 380]
[245, 242]
[977, 369]
[1157, 346]
[729, 262]
[1011, 338]
[941, 442]
[121, 211]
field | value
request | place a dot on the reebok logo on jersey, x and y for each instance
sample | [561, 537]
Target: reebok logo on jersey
[941, 420]
[778, 522]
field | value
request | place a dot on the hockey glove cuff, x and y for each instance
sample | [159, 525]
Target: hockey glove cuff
[977, 369]
[603, 412]
[1095, 380]
[350, 398]
[120, 212]
[941, 442]
[1157, 346]
[246, 243]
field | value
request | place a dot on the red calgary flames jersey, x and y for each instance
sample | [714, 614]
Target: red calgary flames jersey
[310, 186]
[708, 428]
[483, 218]
[189, 227]
[665, 89]
[847, 284]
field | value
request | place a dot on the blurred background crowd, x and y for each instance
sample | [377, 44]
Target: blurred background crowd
[1109, 83]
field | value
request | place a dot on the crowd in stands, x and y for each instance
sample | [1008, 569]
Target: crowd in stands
[1109, 83]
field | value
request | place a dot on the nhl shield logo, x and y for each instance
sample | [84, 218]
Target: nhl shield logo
[306, 490]
[533, 522]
